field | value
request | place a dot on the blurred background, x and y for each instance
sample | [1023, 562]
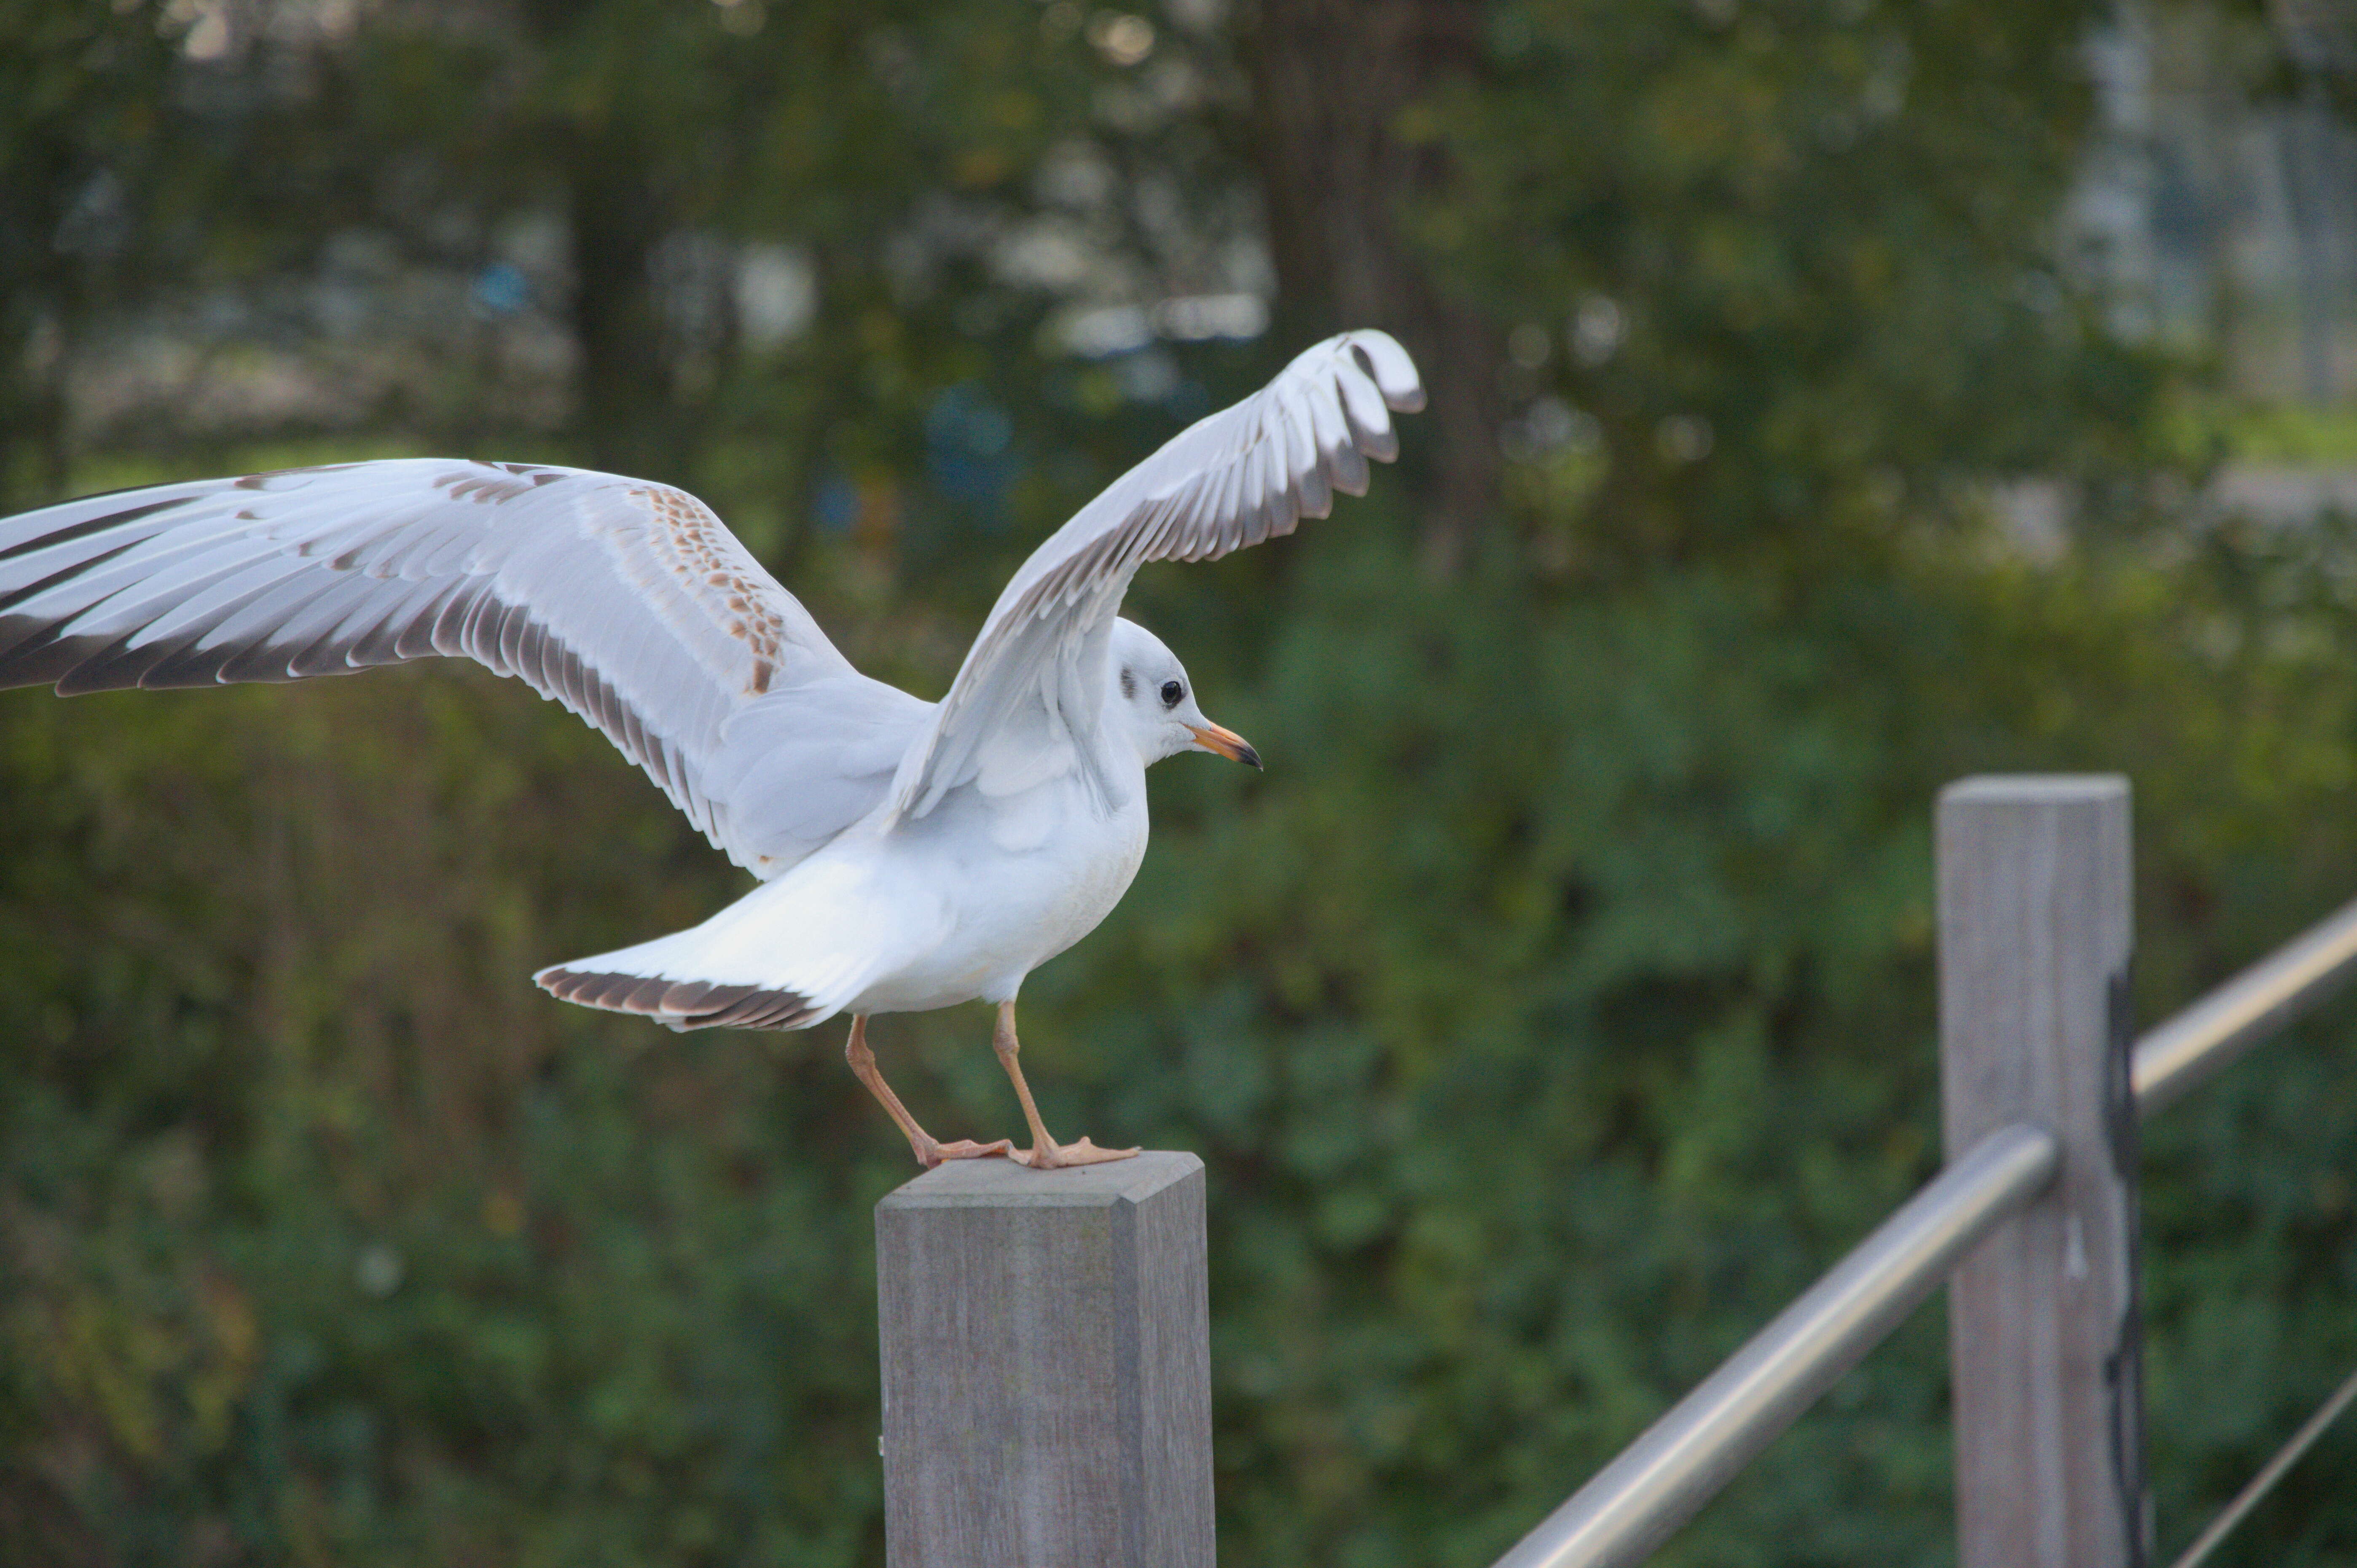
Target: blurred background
[1829, 398]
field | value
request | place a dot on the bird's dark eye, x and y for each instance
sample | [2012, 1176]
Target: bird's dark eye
[1172, 692]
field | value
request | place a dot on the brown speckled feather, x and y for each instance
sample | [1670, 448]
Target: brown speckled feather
[628, 602]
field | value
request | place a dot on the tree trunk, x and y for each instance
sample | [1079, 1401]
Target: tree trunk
[626, 413]
[1333, 78]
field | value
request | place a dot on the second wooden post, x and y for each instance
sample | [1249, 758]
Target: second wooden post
[2034, 879]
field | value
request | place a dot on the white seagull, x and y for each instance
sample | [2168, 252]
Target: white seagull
[911, 855]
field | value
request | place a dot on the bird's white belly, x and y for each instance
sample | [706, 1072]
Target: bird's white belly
[1010, 898]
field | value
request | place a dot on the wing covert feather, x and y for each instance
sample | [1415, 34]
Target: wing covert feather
[629, 602]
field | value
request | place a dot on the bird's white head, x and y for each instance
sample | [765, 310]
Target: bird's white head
[1153, 699]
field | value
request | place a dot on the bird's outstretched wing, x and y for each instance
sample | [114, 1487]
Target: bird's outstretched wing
[1027, 699]
[629, 602]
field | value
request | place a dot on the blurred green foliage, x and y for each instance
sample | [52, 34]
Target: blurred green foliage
[1558, 1004]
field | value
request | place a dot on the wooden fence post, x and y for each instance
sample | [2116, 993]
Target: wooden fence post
[1047, 1366]
[2034, 878]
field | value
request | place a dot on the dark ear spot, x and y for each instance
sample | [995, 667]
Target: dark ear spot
[1128, 683]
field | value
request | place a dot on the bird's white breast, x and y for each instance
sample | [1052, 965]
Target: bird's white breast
[1019, 878]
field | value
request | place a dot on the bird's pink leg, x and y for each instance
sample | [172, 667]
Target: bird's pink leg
[921, 1143]
[1045, 1152]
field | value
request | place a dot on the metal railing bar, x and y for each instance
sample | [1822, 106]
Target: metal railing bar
[1659, 1481]
[2260, 1485]
[2172, 1058]
[1684, 1458]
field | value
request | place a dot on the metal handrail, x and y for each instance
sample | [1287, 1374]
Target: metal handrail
[2201, 1040]
[1660, 1480]
[1681, 1461]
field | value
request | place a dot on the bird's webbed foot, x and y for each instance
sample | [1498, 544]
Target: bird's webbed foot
[1049, 1154]
[931, 1153]
[922, 1144]
[1045, 1153]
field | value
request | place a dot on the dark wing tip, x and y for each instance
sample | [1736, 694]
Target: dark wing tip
[680, 1004]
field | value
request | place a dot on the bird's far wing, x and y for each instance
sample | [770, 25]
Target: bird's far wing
[626, 601]
[1027, 699]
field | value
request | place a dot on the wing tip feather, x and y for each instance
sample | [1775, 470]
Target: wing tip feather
[682, 1003]
[1230, 480]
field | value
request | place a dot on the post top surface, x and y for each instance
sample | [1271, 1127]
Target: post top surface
[2036, 789]
[1002, 1184]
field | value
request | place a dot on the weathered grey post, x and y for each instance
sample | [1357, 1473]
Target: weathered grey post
[2034, 879]
[1047, 1366]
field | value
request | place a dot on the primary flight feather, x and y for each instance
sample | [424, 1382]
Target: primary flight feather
[911, 855]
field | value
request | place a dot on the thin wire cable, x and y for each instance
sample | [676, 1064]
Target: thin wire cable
[2260, 1485]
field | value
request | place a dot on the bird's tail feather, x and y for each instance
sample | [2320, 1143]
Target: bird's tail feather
[788, 954]
[679, 1004]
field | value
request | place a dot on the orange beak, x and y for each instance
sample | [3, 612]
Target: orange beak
[1224, 743]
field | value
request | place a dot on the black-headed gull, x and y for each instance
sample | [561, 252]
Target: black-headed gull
[913, 854]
